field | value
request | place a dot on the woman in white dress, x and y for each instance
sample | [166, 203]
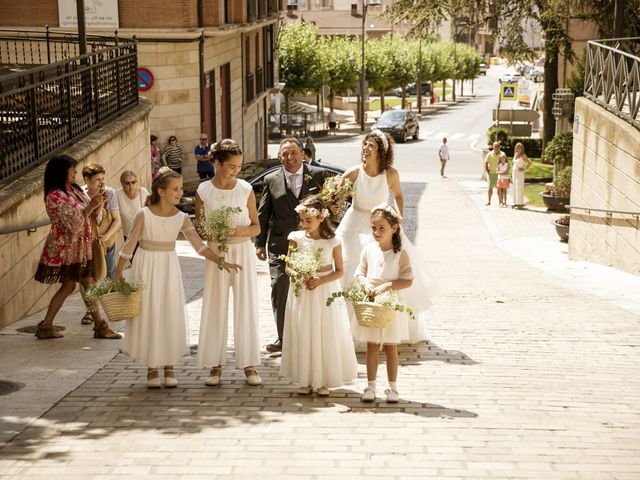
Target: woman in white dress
[317, 350]
[226, 190]
[521, 164]
[373, 181]
[158, 335]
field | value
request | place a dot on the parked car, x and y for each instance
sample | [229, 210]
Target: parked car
[254, 174]
[400, 124]
[536, 75]
[483, 69]
[510, 78]
[411, 89]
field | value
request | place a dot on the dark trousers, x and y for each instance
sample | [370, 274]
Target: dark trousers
[279, 291]
[205, 175]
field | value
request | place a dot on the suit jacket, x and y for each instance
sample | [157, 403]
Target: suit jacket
[276, 211]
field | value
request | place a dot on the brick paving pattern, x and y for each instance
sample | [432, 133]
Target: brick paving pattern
[524, 376]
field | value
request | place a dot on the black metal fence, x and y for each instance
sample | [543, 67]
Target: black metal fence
[612, 76]
[45, 106]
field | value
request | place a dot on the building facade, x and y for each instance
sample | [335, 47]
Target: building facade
[210, 64]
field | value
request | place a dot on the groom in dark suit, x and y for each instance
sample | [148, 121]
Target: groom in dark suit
[283, 190]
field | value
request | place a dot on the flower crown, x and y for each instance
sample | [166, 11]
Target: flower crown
[383, 138]
[385, 207]
[312, 211]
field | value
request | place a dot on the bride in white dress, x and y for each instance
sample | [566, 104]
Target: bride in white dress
[373, 181]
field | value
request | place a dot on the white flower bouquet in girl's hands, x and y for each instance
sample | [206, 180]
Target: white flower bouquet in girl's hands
[337, 191]
[370, 311]
[121, 299]
[217, 225]
[305, 263]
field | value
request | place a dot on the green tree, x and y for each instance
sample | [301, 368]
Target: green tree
[342, 73]
[302, 68]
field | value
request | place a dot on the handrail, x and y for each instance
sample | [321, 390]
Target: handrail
[636, 215]
[29, 227]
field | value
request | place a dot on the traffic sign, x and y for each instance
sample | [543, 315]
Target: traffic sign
[508, 91]
[145, 79]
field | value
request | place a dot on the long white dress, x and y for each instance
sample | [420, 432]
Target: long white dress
[517, 191]
[378, 267]
[212, 345]
[317, 347]
[158, 335]
[355, 233]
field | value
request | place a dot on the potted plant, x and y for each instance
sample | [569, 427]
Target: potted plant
[562, 227]
[556, 196]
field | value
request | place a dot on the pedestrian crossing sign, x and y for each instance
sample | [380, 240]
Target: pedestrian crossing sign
[508, 91]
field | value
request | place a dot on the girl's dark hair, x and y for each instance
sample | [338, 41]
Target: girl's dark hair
[225, 149]
[56, 173]
[153, 138]
[161, 181]
[385, 157]
[393, 219]
[314, 201]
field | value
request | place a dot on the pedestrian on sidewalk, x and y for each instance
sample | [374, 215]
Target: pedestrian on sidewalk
[503, 180]
[156, 159]
[158, 335]
[308, 143]
[317, 349]
[131, 198]
[67, 253]
[521, 164]
[225, 190]
[173, 156]
[443, 153]
[283, 190]
[202, 152]
[384, 266]
[491, 165]
[332, 121]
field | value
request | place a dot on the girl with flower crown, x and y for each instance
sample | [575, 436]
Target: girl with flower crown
[317, 351]
[374, 180]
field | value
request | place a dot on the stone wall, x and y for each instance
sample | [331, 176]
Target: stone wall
[123, 144]
[606, 175]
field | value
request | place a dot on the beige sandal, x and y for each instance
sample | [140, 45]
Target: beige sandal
[214, 377]
[253, 378]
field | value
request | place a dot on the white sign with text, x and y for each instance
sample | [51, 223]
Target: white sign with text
[97, 13]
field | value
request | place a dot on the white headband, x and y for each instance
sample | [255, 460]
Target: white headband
[385, 207]
[383, 138]
[314, 212]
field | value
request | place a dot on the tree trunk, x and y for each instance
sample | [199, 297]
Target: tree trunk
[444, 90]
[462, 88]
[382, 100]
[286, 107]
[550, 86]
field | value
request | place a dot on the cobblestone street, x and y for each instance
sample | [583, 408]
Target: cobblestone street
[528, 373]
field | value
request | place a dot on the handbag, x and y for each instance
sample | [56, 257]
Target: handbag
[98, 258]
[101, 228]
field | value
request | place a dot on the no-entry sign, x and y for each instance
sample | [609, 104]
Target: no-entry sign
[145, 79]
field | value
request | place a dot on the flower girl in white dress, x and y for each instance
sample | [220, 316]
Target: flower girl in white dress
[384, 265]
[158, 335]
[317, 349]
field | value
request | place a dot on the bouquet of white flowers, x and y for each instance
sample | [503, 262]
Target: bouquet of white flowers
[305, 263]
[217, 225]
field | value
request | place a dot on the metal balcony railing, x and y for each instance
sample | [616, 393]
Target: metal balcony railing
[46, 107]
[612, 76]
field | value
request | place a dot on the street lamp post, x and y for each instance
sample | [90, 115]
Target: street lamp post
[365, 6]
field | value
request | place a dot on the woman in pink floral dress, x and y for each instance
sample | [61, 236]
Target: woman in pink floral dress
[66, 256]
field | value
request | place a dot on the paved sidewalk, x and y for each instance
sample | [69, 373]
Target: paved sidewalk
[527, 374]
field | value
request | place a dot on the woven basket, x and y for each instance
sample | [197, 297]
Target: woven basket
[119, 306]
[372, 315]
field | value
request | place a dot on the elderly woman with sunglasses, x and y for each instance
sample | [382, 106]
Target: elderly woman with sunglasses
[131, 198]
